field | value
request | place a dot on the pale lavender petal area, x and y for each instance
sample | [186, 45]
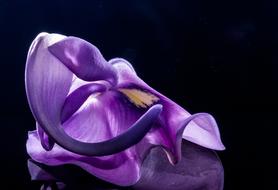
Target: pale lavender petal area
[47, 82]
[75, 99]
[83, 59]
[199, 168]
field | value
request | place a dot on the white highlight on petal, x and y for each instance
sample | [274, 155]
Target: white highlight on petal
[91, 100]
[54, 38]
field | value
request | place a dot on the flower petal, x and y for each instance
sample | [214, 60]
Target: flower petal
[203, 131]
[47, 82]
[83, 59]
[175, 122]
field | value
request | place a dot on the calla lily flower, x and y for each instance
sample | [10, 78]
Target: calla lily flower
[99, 115]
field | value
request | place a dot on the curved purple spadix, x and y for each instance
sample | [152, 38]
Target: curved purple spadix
[117, 144]
[100, 116]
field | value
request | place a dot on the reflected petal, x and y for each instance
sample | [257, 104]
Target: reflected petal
[66, 177]
[38, 173]
[47, 82]
[199, 168]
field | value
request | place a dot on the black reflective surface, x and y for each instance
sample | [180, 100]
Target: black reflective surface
[213, 56]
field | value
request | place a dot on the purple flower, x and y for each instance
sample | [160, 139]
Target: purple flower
[99, 115]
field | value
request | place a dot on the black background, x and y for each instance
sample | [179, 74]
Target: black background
[219, 57]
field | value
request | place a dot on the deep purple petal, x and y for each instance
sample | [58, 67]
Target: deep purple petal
[83, 59]
[199, 168]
